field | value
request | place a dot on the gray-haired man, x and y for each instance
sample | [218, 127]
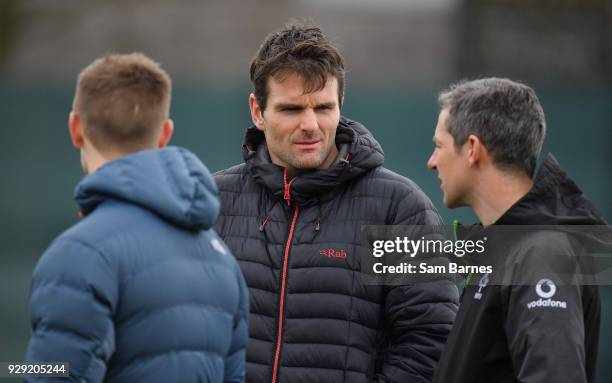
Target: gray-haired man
[487, 141]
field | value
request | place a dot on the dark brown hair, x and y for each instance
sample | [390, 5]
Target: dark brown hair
[299, 48]
[123, 100]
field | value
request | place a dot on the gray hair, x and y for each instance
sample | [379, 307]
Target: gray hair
[505, 115]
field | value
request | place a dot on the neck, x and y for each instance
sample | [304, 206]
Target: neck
[92, 159]
[496, 193]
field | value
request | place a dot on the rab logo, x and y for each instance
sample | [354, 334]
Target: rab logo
[333, 253]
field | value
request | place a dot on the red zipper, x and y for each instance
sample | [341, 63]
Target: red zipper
[279, 337]
[287, 185]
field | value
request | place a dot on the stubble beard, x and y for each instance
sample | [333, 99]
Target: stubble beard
[307, 161]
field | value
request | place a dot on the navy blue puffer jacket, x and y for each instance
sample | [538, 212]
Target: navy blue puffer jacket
[142, 289]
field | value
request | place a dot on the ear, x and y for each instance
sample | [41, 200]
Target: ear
[476, 150]
[256, 112]
[166, 133]
[76, 130]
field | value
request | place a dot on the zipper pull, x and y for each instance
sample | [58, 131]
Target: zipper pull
[264, 223]
[287, 185]
[287, 195]
[345, 161]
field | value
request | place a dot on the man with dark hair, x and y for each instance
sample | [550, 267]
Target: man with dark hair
[292, 215]
[141, 289]
[508, 329]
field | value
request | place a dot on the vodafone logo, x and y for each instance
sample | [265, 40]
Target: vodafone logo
[546, 288]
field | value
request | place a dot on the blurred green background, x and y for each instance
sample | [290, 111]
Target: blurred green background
[399, 54]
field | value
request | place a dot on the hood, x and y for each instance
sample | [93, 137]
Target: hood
[359, 152]
[554, 199]
[171, 182]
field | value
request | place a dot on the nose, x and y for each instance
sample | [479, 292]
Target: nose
[431, 163]
[309, 120]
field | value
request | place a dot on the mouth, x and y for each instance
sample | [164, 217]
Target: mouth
[307, 144]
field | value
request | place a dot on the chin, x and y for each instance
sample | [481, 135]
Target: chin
[308, 166]
[454, 203]
[450, 203]
[309, 163]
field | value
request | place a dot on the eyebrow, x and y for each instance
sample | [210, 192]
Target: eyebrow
[281, 106]
[326, 105]
[288, 106]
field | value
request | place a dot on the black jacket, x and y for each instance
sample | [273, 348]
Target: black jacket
[312, 317]
[527, 321]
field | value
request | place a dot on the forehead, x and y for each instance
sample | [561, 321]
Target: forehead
[441, 126]
[290, 88]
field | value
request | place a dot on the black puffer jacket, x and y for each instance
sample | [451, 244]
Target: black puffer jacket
[312, 318]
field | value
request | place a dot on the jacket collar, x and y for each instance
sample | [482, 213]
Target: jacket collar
[554, 199]
[171, 182]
